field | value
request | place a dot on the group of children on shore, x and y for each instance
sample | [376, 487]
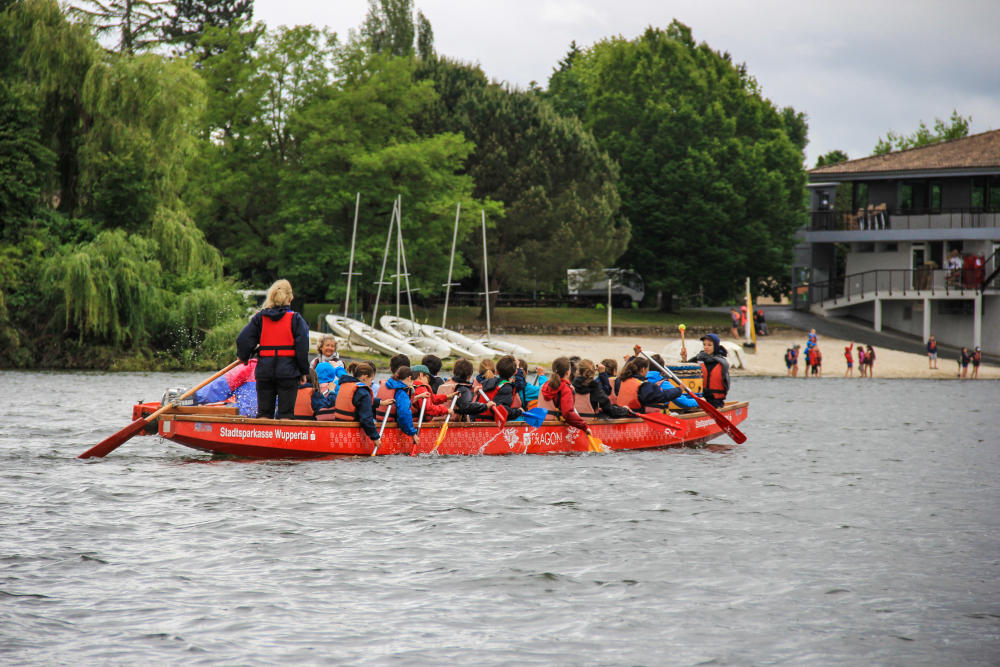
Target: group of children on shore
[572, 391]
[813, 359]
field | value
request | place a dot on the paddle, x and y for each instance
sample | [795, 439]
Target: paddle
[737, 435]
[113, 442]
[420, 422]
[682, 328]
[595, 443]
[662, 419]
[385, 420]
[535, 416]
[444, 427]
[499, 411]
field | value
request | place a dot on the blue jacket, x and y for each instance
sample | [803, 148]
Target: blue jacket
[401, 408]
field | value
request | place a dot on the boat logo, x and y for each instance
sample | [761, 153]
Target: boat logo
[511, 436]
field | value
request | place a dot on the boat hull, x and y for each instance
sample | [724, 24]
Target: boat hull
[380, 341]
[267, 438]
[412, 333]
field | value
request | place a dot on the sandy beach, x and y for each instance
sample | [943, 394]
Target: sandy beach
[768, 360]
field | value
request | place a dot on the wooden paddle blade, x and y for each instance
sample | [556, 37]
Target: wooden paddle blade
[535, 416]
[113, 442]
[437, 443]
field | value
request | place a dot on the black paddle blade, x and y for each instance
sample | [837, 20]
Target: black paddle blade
[113, 442]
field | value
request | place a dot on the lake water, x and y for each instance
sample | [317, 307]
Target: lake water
[859, 524]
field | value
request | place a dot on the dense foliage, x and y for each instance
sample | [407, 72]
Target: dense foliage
[146, 174]
[712, 177]
[956, 128]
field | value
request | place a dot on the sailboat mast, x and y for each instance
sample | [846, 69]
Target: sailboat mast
[385, 257]
[486, 279]
[451, 266]
[399, 252]
[350, 266]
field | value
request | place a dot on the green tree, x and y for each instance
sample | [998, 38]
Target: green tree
[831, 158]
[711, 172]
[956, 128]
[561, 205]
[187, 25]
[389, 28]
[134, 25]
[358, 136]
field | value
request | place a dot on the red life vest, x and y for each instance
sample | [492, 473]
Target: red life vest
[343, 409]
[712, 383]
[276, 339]
[383, 394]
[488, 414]
[583, 406]
[303, 402]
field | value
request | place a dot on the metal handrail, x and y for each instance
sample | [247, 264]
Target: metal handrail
[873, 219]
[892, 282]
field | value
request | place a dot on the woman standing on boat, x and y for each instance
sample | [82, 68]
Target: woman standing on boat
[279, 337]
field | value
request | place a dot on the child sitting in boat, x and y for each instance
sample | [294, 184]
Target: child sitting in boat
[500, 389]
[590, 397]
[327, 352]
[310, 399]
[238, 386]
[607, 373]
[328, 375]
[433, 364]
[467, 405]
[636, 393]
[400, 384]
[557, 396]
[436, 404]
[528, 390]
[354, 399]
[487, 370]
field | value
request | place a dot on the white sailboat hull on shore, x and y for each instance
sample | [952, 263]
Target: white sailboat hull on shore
[413, 333]
[358, 332]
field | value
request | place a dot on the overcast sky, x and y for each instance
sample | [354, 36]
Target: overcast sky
[857, 69]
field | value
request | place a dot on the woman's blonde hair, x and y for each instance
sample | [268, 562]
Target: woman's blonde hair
[487, 365]
[279, 294]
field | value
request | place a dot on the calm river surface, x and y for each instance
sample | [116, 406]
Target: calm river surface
[859, 524]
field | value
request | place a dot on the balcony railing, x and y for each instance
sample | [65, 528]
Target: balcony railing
[887, 283]
[875, 219]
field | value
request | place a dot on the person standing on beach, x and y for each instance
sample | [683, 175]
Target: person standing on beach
[869, 359]
[792, 360]
[849, 356]
[862, 368]
[735, 316]
[963, 361]
[977, 358]
[931, 353]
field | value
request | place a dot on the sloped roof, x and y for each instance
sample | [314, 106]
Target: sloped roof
[978, 151]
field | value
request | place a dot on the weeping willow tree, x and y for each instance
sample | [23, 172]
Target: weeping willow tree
[109, 288]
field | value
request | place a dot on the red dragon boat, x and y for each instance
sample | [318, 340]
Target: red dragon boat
[220, 430]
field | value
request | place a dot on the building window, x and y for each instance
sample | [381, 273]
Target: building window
[935, 198]
[978, 201]
[956, 307]
[993, 195]
[906, 197]
[860, 195]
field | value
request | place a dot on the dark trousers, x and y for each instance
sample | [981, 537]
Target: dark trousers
[282, 390]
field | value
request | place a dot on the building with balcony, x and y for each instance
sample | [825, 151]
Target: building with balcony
[908, 241]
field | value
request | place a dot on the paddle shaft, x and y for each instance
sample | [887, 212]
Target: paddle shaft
[710, 409]
[496, 414]
[113, 442]
[444, 427]
[385, 420]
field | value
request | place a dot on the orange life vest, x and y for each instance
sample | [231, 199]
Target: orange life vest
[343, 409]
[628, 394]
[276, 339]
[303, 403]
[549, 405]
[384, 393]
[446, 387]
[583, 405]
[712, 384]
